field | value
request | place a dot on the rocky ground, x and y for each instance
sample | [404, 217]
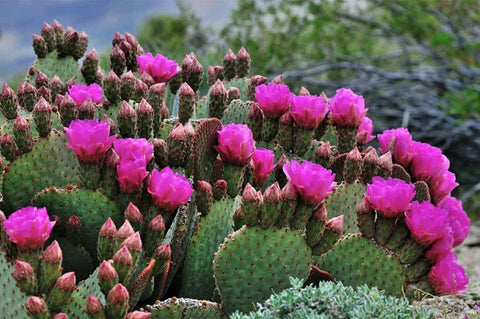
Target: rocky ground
[459, 306]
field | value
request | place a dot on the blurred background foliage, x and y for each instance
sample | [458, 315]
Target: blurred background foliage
[415, 61]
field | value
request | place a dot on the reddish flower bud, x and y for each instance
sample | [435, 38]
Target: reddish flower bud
[106, 271]
[53, 253]
[133, 214]
[126, 230]
[108, 229]
[67, 282]
[22, 270]
[118, 295]
[123, 256]
[335, 224]
[164, 252]
[289, 192]
[157, 224]
[35, 306]
[94, 305]
[133, 242]
[139, 315]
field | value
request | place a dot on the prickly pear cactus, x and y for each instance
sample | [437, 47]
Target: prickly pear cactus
[285, 186]
[253, 262]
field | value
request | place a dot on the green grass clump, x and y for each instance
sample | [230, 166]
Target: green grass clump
[334, 300]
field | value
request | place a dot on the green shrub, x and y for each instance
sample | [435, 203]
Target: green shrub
[333, 300]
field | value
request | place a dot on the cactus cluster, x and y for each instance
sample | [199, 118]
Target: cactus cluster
[206, 205]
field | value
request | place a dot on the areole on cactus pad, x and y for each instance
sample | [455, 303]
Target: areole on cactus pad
[136, 207]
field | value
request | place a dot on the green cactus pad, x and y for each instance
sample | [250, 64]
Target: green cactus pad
[182, 308]
[12, 299]
[345, 201]
[92, 207]
[77, 305]
[253, 262]
[64, 67]
[197, 275]
[236, 112]
[7, 125]
[50, 163]
[356, 260]
[76, 258]
[239, 83]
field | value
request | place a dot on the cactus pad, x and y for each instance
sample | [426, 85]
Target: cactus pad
[50, 163]
[253, 262]
[239, 83]
[197, 275]
[92, 207]
[236, 112]
[345, 201]
[77, 305]
[12, 299]
[356, 260]
[64, 67]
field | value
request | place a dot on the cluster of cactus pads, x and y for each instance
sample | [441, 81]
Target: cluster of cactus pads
[206, 206]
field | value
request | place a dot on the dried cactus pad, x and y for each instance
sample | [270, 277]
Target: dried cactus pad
[254, 262]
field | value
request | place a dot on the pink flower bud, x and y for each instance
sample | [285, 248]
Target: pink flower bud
[273, 99]
[263, 165]
[108, 229]
[61, 315]
[157, 224]
[289, 192]
[385, 161]
[447, 277]
[123, 256]
[354, 155]
[457, 219]
[426, 222]
[273, 194]
[94, 305]
[53, 253]
[251, 195]
[80, 93]
[118, 295]
[22, 270]
[133, 214]
[324, 150]
[106, 271]
[347, 108]
[390, 197]
[169, 189]
[67, 281]
[20, 123]
[371, 157]
[308, 110]
[312, 181]
[89, 139]
[133, 242]
[35, 306]
[28, 227]
[126, 230]
[159, 67]
[235, 144]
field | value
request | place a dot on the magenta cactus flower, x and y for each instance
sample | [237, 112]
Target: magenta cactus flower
[347, 108]
[29, 227]
[160, 68]
[131, 173]
[426, 222]
[235, 144]
[390, 197]
[80, 93]
[169, 189]
[364, 133]
[457, 219]
[402, 147]
[312, 181]
[129, 149]
[428, 162]
[441, 247]
[443, 185]
[308, 110]
[262, 165]
[273, 99]
[89, 139]
[447, 276]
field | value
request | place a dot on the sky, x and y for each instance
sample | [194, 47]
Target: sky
[19, 19]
